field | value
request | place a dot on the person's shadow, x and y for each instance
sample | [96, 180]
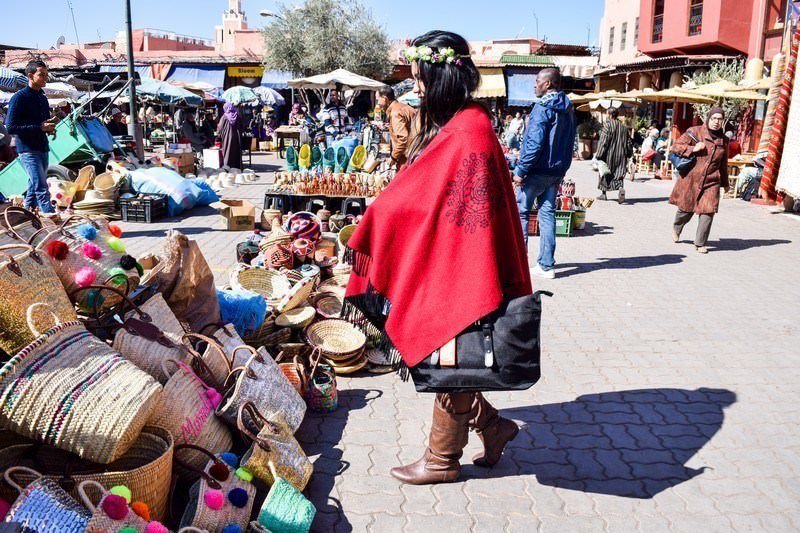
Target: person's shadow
[629, 443]
[320, 434]
[619, 263]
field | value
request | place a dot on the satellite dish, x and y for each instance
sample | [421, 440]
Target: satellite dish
[61, 40]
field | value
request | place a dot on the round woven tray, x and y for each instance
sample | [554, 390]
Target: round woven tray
[299, 317]
[297, 295]
[337, 281]
[350, 368]
[338, 339]
[270, 284]
[329, 304]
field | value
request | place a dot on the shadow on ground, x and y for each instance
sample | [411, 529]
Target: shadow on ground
[618, 263]
[649, 200]
[591, 229]
[629, 443]
[321, 434]
[736, 245]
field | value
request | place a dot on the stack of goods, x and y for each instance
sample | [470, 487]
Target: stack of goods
[191, 402]
[571, 210]
[180, 156]
[331, 184]
[89, 194]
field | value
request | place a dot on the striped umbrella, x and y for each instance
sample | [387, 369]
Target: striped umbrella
[11, 80]
[773, 162]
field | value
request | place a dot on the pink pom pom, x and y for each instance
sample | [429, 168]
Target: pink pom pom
[115, 507]
[91, 250]
[214, 397]
[85, 276]
[156, 527]
[214, 499]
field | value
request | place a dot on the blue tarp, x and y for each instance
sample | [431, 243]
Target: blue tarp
[144, 70]
[276, 79]
[213, 75]
[521, 86]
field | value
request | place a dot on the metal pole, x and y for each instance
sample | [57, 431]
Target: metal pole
[134, 129]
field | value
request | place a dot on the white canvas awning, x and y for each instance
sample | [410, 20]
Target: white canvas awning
[338, 79]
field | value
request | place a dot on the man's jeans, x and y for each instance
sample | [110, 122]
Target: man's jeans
[543, 190]
[35, 164]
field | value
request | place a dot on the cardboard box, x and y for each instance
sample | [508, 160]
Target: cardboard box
[212, 158]
[238, 215]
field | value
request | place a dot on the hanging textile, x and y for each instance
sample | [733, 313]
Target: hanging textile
[778, 67]
[788, 178]
[772, 165]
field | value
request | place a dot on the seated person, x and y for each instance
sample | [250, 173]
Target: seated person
[190, 131]
[650, 148]
[734, 148]
[115, 126]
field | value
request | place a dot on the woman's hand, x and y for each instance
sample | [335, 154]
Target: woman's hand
[698, 147]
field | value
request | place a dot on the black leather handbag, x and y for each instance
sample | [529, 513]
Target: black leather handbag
[499, 352]
[683, 164]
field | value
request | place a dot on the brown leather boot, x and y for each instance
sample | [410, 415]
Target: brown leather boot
[439, 463]
[493, 430]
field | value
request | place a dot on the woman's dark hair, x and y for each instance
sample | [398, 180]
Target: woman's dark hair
[448, 86]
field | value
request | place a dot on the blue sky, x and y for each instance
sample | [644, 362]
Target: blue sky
[38, 23]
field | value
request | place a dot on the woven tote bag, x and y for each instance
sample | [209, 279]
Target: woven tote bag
[221, 354]
[17, 225]
[187, 412]
[150, 335]
[26, 278]
[220, 497]
[261, 382]
[320, 386]
[273, 442]
[111, 514]
[145, 468]
[88, 251]
[286, 509]
[44, 507]
[70, 390]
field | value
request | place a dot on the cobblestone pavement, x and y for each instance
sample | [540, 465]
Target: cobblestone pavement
[668, 400]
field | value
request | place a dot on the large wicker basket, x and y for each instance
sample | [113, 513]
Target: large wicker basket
[270, 284]
[337, 339]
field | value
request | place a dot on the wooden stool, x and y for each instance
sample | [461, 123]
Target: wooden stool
[644, 166]
[278, 200]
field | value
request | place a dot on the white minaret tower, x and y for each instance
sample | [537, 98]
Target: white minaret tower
[233, 19]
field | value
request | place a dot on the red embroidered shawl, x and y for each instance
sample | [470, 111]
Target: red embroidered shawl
[442, 246]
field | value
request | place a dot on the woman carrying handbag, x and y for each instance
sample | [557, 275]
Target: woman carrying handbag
[427, 286]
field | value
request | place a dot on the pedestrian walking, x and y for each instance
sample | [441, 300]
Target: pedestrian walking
[543, 162]
[698, 192]
[423, 283]
[614, 148]
[229, 130]
[29, 120]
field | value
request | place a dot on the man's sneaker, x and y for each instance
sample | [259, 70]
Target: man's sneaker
[542, 273]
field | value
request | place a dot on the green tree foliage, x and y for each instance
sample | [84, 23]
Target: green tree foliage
[323, 35]
[732, 71]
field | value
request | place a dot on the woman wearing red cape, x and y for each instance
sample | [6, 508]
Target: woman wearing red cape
[442, 247]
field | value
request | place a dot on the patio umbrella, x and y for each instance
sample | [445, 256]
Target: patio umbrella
[337, 79]
[167, 93]
[269, 96]
[722, 89]
[578, 99]
[672, 96]
[239, 95]
[61, 90]
[11, 80]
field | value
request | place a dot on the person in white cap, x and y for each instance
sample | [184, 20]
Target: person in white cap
[115, 125]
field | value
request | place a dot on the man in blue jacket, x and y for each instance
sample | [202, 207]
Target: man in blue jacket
[543, 162]
[28, 119]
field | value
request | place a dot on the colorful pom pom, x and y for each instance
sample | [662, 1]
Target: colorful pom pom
[244, 475]
[140, 269]
[58, 250]
[232, 528]
[238, 497]
[91, 250]
[94, 300]
[115, 507]
[87, 231]
[118, 275]
[156, 527]
[127, 262]
[214, 397]
[219, 472]
[214, 499]
[115, 230]
[85, 277]
[230, 459]
[122, 490]
[141, 509]
[116, 245]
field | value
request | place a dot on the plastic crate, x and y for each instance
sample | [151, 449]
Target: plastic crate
[563, 223]
[147, 208]
[533, 223]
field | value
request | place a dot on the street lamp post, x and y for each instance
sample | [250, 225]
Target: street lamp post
[134, 128]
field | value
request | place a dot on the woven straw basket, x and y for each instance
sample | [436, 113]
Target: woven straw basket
[270, 284]
[337, 339]
[145, 468]
[297, 318]
[101, 522]
[263, 334]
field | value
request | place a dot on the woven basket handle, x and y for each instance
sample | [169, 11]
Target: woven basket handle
[314, 362]
[218, 348]
[187, 368]
[12, 263]
[256, 417]
[37, 223]
[8, 473]
[213, 483]
[298, 366]
[248, 348]
[218, 326]
[29, 317]
[144, 316]
[69, 219]
[87, 501]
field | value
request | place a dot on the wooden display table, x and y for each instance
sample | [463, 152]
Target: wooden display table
[287, 132]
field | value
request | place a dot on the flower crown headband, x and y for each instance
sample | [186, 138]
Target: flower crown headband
[429, 55]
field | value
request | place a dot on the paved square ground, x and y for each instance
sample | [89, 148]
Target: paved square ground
[669, 398]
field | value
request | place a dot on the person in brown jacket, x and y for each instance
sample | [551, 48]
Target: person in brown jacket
[698, 192]
[400, 117]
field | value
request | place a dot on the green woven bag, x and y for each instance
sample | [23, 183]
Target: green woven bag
[286, 509]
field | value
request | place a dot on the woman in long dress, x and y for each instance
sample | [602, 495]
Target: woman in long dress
[229, 130]
[614, 149]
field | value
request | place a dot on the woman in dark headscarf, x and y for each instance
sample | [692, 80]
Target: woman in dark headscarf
[230, 131]
[614, 149]
[698, 191]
